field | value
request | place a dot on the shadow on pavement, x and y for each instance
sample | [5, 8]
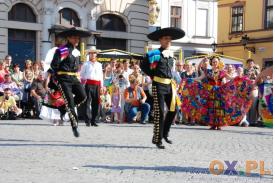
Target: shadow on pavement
[74, 145]
[192, 170]
[25, 124]
[14, 140]
[225, 131]
[22, 140]
[131, 126]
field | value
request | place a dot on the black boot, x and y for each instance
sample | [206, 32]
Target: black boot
[62, 111]
[167, 140]
[87, 123]
[160, 146]
[94, 124]
[75, 132]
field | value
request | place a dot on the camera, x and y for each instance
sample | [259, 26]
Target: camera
[120, 76]
[7, 97]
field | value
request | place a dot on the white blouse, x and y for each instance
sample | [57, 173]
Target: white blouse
[92, 71]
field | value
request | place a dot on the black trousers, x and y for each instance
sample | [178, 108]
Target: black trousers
[73, 94]
[162, 95]
[150, 101]
[92, 102]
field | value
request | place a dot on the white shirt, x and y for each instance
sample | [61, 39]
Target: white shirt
[92, 71]
[126, 75]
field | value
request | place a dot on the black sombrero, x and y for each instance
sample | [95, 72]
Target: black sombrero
[75, 31]
[175, 33]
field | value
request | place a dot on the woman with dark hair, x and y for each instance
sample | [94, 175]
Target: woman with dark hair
[213, 102]
[36, 69]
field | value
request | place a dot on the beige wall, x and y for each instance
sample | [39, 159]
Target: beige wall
[262, 39]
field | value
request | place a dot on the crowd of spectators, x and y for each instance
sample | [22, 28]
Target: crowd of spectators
[125, 97]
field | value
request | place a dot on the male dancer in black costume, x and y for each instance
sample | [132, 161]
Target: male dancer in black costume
[158, 64]
[65, 65]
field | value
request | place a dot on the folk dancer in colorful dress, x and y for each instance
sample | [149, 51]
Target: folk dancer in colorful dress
[212, 101]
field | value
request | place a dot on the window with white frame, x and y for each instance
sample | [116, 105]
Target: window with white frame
[237, 19]
[175, 16]
[202, 22]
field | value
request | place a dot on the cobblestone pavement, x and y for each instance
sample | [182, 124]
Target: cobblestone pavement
[37, 152]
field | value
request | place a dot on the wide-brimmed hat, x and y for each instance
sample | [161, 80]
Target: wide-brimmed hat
[75, 31]
[175, 33]
[93, 50]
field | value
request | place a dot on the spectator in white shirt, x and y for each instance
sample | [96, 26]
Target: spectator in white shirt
[127, 70]
[92, 75]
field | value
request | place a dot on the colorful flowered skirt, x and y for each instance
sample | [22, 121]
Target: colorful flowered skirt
[266, 103]
[216, 105]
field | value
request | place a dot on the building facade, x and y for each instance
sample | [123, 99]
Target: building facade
[198, 18]
[245, 29]
[28, 27]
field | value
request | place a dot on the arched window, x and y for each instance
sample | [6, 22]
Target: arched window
[68, 16]
[111, 22]
[22, 12]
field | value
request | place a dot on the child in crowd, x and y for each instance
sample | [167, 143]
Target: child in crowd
[116, 109]
[105, 105]
[27, 82]
[28, 71]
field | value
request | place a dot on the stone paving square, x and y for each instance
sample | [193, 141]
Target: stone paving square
[34, 151]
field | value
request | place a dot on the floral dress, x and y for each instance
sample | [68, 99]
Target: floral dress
[266, 102]
[213, 103]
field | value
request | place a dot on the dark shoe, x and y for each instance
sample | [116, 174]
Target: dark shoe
[160, 146]
[212, 128]
[94, 124]
[87, 124]
[168, 141]
[62, 111]
[219, 128]
[75, 132]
